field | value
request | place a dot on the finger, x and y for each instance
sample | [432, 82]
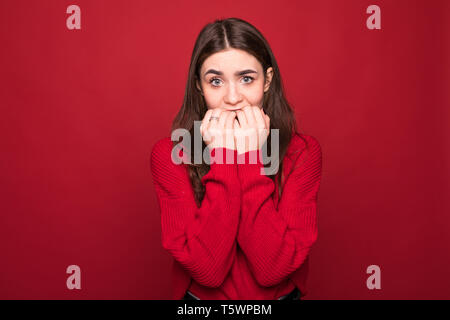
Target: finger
[216, 113]
[259, 118]
[251, 122]
[205, 121]
[242, 119]
[230, 120]
[223, 118]
[208, 130]
[266, 118]
[236, 124]
[238, 137]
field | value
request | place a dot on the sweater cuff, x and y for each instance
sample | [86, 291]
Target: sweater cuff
[250, 163]
[222, 163]
[221, 155]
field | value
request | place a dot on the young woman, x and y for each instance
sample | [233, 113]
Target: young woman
[235, 233]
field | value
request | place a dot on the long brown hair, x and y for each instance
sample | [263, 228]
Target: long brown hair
[238, 34]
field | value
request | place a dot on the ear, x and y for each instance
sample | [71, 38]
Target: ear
[198, 86]
[269, 75]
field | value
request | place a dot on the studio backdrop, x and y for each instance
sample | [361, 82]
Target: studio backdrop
[88, 87]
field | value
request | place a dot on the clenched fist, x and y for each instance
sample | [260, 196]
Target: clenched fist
[217, 128]
[251, 129]
[242, 130]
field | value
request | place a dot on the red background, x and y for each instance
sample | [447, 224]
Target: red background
[81, 110]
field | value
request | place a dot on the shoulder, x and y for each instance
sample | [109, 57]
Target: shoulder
[169, 173]
[161, 155]
[161, 147]
[304, 149]
[301, 143]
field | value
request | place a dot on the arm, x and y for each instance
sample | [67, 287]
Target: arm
[277, 242]
[201, 239]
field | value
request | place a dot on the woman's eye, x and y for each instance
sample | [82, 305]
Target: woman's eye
[216, 81]
[213, 80]
[247, 77]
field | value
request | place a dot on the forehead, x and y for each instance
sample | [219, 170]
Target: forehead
[231, 60]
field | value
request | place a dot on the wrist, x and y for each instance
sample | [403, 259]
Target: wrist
[251, 156]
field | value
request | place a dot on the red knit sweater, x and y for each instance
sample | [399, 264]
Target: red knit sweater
[242, 242]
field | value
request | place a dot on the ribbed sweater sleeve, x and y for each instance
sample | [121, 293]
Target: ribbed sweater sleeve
[276, 241]
[202, 239]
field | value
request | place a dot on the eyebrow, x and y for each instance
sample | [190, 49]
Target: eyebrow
[237, 73]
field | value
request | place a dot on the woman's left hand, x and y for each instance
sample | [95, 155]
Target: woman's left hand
[253, 126]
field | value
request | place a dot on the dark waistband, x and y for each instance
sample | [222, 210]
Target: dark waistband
[293, 295]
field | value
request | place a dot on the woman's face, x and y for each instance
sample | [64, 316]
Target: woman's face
[232, 79]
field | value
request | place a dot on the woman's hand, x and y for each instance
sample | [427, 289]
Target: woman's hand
[252, 130]
[218, 132]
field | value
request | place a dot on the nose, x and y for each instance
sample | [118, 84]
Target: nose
[232, 96]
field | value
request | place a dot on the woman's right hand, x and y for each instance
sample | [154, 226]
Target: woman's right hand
[218, 132]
